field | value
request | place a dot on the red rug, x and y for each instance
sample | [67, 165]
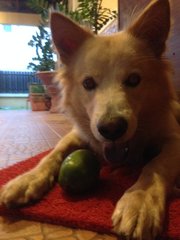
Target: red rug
[91, 211]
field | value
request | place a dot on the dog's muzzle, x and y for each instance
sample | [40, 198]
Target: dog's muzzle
[112, 130]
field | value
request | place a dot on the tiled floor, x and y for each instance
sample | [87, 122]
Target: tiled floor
[24, 134]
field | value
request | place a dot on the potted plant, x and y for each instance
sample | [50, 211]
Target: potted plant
[43, 64]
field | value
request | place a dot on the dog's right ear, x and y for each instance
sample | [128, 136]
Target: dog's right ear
[67, 36]
[153, 25]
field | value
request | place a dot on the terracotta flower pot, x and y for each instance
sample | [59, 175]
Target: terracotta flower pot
[47, 77]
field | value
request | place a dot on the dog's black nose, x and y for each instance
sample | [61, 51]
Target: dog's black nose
[113, 129]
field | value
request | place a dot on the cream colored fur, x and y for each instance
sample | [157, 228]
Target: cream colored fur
[150, 110]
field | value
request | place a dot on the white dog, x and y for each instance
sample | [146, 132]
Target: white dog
[118, 93]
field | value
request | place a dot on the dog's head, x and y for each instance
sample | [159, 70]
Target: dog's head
[111, 81]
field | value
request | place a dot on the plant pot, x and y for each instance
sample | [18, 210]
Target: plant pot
[38, 103]
[53, 90]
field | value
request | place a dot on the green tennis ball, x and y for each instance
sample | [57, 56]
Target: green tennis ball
[79, 172]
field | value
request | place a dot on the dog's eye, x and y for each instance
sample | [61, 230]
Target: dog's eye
[89, 83]
[133, 80]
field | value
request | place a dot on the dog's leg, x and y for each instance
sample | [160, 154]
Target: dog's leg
[140, 212]
[33, 184]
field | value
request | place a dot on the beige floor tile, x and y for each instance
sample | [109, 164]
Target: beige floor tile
[19, 239]
[58, 233]
[107, 237]
[35, 237]
[69, 238]
[11, 229]
[50, 228]
[82, 234]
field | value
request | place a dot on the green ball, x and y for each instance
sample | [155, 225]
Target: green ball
[79, 172]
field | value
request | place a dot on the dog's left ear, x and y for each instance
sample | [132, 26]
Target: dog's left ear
[67, 36]
[153, 25]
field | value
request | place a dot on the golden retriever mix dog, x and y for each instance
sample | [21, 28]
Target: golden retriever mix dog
[117, 90]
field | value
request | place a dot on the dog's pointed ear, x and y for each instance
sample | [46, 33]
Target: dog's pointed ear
[67, 36]
[153, 25]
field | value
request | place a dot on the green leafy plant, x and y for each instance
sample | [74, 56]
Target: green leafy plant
[92, 13]
[44, 60]
[41, 41]
[89, 12]
[42, 6]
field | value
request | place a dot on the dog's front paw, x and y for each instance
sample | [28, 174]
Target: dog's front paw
[25, 188]
[138, 215]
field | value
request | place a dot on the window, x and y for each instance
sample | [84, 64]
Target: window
[15, 54]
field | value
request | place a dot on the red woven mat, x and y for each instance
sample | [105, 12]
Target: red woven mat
[91, 211]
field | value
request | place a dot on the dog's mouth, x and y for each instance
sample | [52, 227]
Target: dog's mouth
[115, 153]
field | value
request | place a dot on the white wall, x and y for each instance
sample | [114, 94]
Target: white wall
[19, 18]
[13, 102]
[112, 4]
